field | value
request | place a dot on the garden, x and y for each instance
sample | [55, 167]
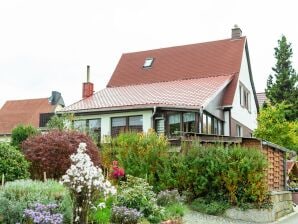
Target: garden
[64, 177]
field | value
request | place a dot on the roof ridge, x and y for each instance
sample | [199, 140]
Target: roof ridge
[184, 45]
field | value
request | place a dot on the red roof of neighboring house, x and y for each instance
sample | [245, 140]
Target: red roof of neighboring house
[201, 60]
[25, 112]
[189, 94]
[261, 98]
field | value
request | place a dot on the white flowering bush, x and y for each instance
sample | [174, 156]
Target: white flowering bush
[86, 182]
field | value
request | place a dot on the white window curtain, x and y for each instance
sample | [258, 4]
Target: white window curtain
[174, 119]
[187, 117]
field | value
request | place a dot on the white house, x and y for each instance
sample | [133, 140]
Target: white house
[199, 88]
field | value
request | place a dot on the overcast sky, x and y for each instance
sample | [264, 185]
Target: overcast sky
[45, 45]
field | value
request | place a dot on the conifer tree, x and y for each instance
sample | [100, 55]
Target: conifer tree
[282, 86]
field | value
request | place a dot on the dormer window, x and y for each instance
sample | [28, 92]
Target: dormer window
[148, 62]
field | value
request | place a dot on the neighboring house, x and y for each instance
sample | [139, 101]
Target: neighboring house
[261, 99]
[35, 112]
[199, 88]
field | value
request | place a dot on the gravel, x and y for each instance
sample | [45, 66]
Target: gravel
[193, 217]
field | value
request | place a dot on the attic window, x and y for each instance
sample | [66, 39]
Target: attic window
[148, 62]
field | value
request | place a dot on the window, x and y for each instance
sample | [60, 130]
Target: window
[80, 125]
[135, 123]
[118, 125]
[189, 122]
[122, 124]
[209, 125]
[148, 62]
[94, 127]
[245, 100]
[174, 124]
[212, 125]
[160, 126]
[204, 123]
[239, 130]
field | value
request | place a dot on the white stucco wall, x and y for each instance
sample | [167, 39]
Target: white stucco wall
[214, 106]
[227, 123]
[5, 139]
[239, 113]
[106, 120]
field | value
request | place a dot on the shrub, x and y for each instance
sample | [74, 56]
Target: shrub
[102, 214]
[210, 207]
[43, 214]
[175, 210]
[21, 133]
[141, 155]
[168, 197]
[51, 152]
[85, 182]
[19, 195]
[124, 215]
[137, 193]
[12, 163]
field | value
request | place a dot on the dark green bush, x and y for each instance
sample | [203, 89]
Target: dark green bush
[141, 155]
[21, 194]
[12, 163]
[233, 173]
[21, 133]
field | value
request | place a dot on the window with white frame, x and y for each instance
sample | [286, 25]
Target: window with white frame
[239, 130]
[245, 97]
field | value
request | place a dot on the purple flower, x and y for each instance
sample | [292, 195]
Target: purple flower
[43, 214]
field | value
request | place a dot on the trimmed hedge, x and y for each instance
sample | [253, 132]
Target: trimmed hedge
[12, 163]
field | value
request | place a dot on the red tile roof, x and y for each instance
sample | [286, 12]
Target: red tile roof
[189, 93]
[201, 60]
[26, 112]
[261, 98]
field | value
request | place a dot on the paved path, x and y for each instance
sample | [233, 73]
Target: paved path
[193, 217]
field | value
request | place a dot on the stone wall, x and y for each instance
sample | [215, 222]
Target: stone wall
[281, 205]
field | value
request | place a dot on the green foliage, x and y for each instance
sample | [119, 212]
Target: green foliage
[19, 195]
[12, 163]
[21, 133]
[137, 193]
[215, 207]
[282, 85]
[141, 155]
[175, 210]
[274, 127]
[233, 174]
[102, 215]
[62, 122]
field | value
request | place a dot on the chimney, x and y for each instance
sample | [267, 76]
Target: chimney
[236, 32]
[87, 86]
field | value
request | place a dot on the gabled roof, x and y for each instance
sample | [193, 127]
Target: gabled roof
[188, 94]
[25, 112]
[200, 60]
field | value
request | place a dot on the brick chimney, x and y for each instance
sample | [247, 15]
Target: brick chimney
[87, 86]
[236, 32]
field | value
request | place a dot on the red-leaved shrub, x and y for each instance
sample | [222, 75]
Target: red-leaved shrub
[51, 152]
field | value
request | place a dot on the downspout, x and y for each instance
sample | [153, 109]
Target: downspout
[152, 116]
